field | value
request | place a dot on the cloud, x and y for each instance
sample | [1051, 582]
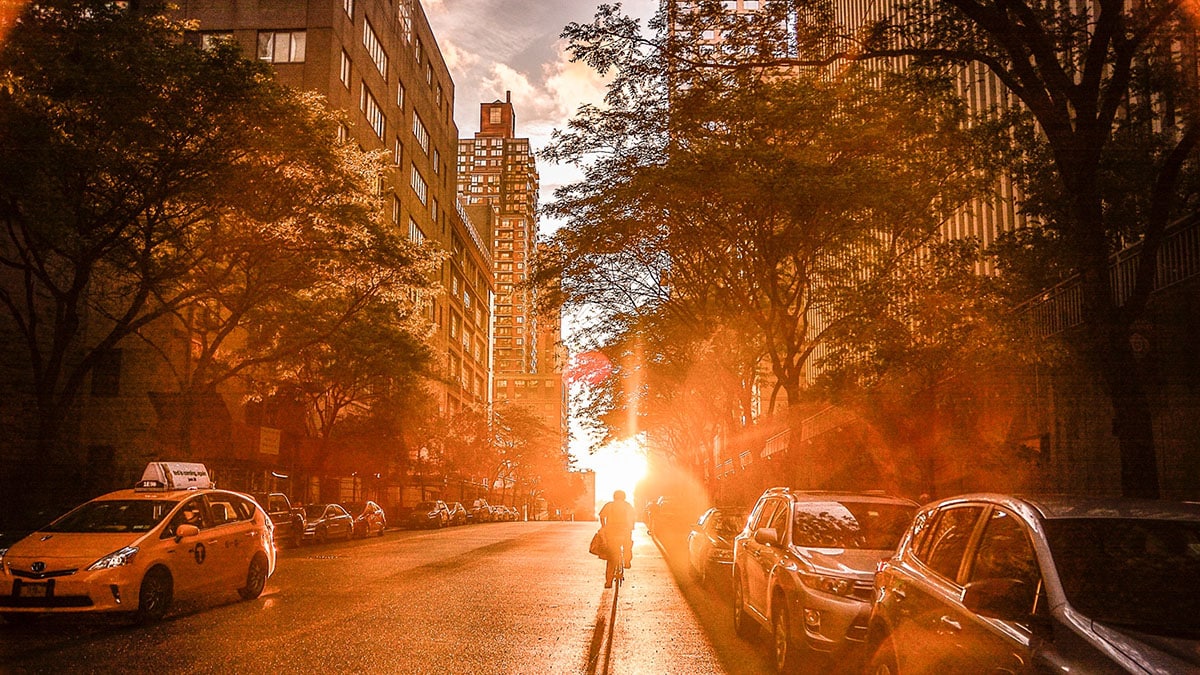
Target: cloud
[458, 59]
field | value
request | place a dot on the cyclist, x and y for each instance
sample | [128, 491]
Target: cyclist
[616, 521]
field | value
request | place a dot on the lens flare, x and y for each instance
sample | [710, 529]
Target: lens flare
[618, 466]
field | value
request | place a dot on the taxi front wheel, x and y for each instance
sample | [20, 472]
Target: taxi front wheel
[256, 578]
[154, 597]
[18, 618]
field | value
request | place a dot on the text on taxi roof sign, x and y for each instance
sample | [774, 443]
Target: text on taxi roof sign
[174, 476]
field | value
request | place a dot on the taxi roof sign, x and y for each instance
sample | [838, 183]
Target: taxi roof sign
[174, 476]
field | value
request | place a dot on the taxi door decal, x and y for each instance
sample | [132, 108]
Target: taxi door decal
[199, 553]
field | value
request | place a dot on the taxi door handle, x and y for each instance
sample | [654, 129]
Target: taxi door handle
[949, 625]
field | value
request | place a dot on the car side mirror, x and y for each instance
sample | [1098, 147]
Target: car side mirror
[767, 535]
[1004, 599]
[184, 531]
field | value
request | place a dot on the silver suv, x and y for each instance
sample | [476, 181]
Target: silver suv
[805, 567]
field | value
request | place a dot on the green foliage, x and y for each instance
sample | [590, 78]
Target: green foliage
[146, 179]
[728, 208]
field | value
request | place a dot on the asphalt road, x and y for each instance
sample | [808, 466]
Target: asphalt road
[490, 598]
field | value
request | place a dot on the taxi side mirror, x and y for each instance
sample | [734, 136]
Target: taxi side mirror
[185, 530]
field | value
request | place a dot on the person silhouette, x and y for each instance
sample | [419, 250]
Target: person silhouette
[616, 522]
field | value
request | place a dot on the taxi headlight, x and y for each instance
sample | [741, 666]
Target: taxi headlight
[825, 584]
[114, 559]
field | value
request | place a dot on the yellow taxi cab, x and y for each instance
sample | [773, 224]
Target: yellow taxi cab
[173, 535]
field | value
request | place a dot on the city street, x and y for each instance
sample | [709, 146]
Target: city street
[496, 598]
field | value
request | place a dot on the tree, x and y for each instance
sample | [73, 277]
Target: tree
[146, 178]
[746, 203]
[528, 458]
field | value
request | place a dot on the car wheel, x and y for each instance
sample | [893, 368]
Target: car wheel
[382, 527]
[786, 656]
[154, 596]
[742, 623]
[18, 618]
[883, 661]
[256, 578]
[321, 537]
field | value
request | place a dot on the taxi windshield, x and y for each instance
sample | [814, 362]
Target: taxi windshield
[123, 515]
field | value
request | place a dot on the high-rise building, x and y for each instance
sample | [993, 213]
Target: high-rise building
[379, 61]
[499, 170]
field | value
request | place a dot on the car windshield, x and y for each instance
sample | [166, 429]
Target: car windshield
[426, 506]
[313, 511]
[126, 515]
[729, 523]
[850, 524]
[355, 508]
[1137, 574]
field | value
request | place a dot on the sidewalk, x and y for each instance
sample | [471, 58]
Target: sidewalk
[653, 629]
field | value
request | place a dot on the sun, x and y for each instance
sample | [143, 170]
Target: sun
[618, 466]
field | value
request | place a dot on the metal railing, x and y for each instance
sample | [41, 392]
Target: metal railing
[1061, 307]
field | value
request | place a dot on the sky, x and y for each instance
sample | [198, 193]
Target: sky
[494, 46]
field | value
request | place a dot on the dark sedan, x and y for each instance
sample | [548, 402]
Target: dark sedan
[995, 583]
[710, 543]
[327, 521]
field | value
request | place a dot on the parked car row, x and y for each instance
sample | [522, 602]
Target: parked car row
[174, 535]
[971, 584]
[436, 513]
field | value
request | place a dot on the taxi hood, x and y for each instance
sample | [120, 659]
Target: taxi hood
[66, 550]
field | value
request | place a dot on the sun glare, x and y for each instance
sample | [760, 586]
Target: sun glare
[618, 466]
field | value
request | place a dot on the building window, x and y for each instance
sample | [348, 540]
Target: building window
[399, 95]
[420, 132]
[493, 116]
[429, 73]
[437, 160]
[419, 51]
[419, 185]
[395, 210]
[437, 96]
[281, 46]
[433, 210]
[342, 133]
[374, 113]
[397, 153]
[404, 14]
[348, 5]
[375, 48]
[345, 76]
[210, 41]
[414, 231]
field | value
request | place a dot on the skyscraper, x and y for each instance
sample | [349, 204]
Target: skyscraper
[497, 168]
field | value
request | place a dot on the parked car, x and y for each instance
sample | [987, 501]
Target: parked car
[326, 522]
[427, 514]
[173, 536]
[505, 514]
[288, 520]
[670, 515]
[996, 583]
[804, 566]
[458, 513]
[710, 543]
[369, 518]
[481, 511]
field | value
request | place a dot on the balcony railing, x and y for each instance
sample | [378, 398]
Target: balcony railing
[1061, 307]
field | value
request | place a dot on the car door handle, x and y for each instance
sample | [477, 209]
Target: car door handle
[949, 625]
